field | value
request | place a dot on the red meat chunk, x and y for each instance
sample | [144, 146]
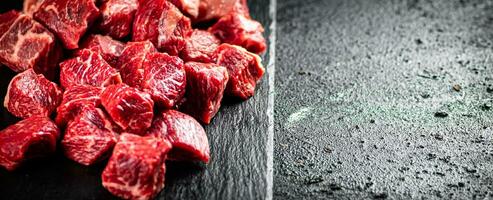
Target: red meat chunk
[186, 135]
[244, 69]
[136, 169]
[26, 44]
[68, 19]
[163, 24]
[238, 29]
[205, 89]
[76, 99]
[200, 47]
[32, 94]
[131, 62]
[89, 68]
[188, 7]
[89, 138]
[108, 48]
[32, 137]
[215, 9]
[117, 17]
[30, 6]
[130, 108]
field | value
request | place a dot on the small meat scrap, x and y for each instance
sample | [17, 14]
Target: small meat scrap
[131, 62]
[238, 29]
[89, 137]
[205, 89]
[32, 137]
[75, 99]
[186, 135]
[117, 17]
[188, 7]
[130, 108]
[163, 24]
[31, 94]
[108, 48]
[26, 44]
[136, 169]
[200, 47]
[214, 9]
[67, 19]
[244, 69]
[88, 68]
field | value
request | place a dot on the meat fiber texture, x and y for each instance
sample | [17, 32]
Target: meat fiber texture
[188, 7]
[163, 24]
[75, 100]
[186, 135]
[205, 89]
[200, 47]
[136, 169]
[238, 29]
[117, 17]
[89, 137]
[32, 137]
[31, 94]
[26, 44]
[108, 48]
[159, 74]
[130, 108]
[68, 19]
[244, 69]
[89, 68]
[30, 6]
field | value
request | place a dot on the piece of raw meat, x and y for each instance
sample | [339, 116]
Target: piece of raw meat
[188, 7]
[214, 9]
[164, 79]
[163, 24]
[186, 135]
[32, 137]
[117, 17]
[200, 47]
[75, 99]
[89, 137]
[108, 48]
[30, 6]
[205, 89]
[235, 28]
[130, 108]
[88, 68]
[26, 44]
[244, 69]
[136, 169]
[68, 19]
[131, 62]
[30, 94]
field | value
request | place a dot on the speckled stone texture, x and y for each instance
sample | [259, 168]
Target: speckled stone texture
[384, 99]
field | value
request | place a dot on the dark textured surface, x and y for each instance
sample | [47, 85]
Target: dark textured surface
[366, 105]
[237, 170]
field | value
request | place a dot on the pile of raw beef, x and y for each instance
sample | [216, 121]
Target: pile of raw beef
[128, 80]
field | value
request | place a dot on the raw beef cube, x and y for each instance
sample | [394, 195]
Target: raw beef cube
[130, 108]
[117, 17]
[89, 138]
[7, 19]
[205, 88]
[131, 62]
[89, 68]
[27, 44]
[76, 99]
[164, 79]
[32, 94]
[240, 30]
[136, 169]
[32, 137]
[200, 47]
[244, 69]
[215, 9]
[68, 19]
[108, 48]
[30, 6]
[188, 7]
[163, 24]
[186, 135]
